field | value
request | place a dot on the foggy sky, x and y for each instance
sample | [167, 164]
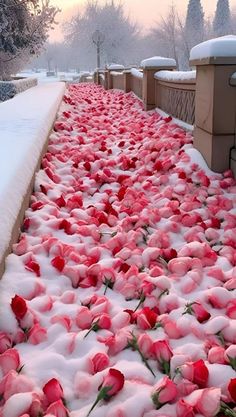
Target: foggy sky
[145, 12]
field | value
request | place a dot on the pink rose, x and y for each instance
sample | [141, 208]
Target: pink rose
[100, 362]
[37, 334]
[57, 409]
[9, 360]
[184, 409]
[216, 355]
[113, 382]
[209, 402]
[165, 391]
[5, 342]
[53, 390]
[84, 318]
[14, 383]
[145, 345]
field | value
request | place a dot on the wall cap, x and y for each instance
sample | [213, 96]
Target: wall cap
[214, 51]
[116, 67]
[158, 62]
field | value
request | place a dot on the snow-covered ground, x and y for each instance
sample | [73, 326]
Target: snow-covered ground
[128, 263]
[42, 76]
[25, 123]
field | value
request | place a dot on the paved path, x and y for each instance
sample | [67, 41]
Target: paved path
[127, 261]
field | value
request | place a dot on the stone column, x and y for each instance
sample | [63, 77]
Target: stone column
[127, 81]
[113, 67]
[215, 114]
[150, 67]
[106, 79]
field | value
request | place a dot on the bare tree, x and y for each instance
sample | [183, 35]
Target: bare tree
[120, 35]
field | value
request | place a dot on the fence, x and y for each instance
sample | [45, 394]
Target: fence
[205, 98]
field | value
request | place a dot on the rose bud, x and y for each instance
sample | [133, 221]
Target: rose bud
[53, 390]
[163, 354]
[165, 391]
[101, 322]
[19, 307]
[198, 311]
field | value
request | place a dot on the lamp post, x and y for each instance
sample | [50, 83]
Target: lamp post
[98, 39]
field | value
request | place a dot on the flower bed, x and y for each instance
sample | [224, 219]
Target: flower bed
[119, 299]
[8, 89]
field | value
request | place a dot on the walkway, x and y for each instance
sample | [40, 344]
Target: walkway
[131, 237]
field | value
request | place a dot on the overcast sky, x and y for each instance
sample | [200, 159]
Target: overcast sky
[145, 12]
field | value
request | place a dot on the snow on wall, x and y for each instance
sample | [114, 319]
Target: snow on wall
[224, 46]
[158, 61]
[25, 124]
[176, 76]
[116, 67]
[115, 73]
[136, 73]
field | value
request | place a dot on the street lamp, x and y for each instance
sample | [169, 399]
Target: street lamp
[98, 39]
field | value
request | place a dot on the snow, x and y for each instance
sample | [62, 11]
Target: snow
[115, 73]
[116, 67]
[183, 125]
[158, 61]
[61, 76]
[25, 123]
[136, 73]
[224, 46]
[176, 76]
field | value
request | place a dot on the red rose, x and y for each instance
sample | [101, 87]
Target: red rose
[112, 384]
[232, 389]
[53, 390]
[33, 266]
[200, 313]
[146, 318]
[58, 262]
[18, 306]
[200, 373]
[114, 380]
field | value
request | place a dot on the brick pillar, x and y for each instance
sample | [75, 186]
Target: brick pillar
[150, 67]
[215, 114]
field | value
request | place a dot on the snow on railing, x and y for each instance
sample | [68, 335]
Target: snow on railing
[176, 76]
[136, 73]
[175, 94]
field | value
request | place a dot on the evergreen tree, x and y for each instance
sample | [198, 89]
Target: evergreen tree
[194, 24]
[222, 20]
